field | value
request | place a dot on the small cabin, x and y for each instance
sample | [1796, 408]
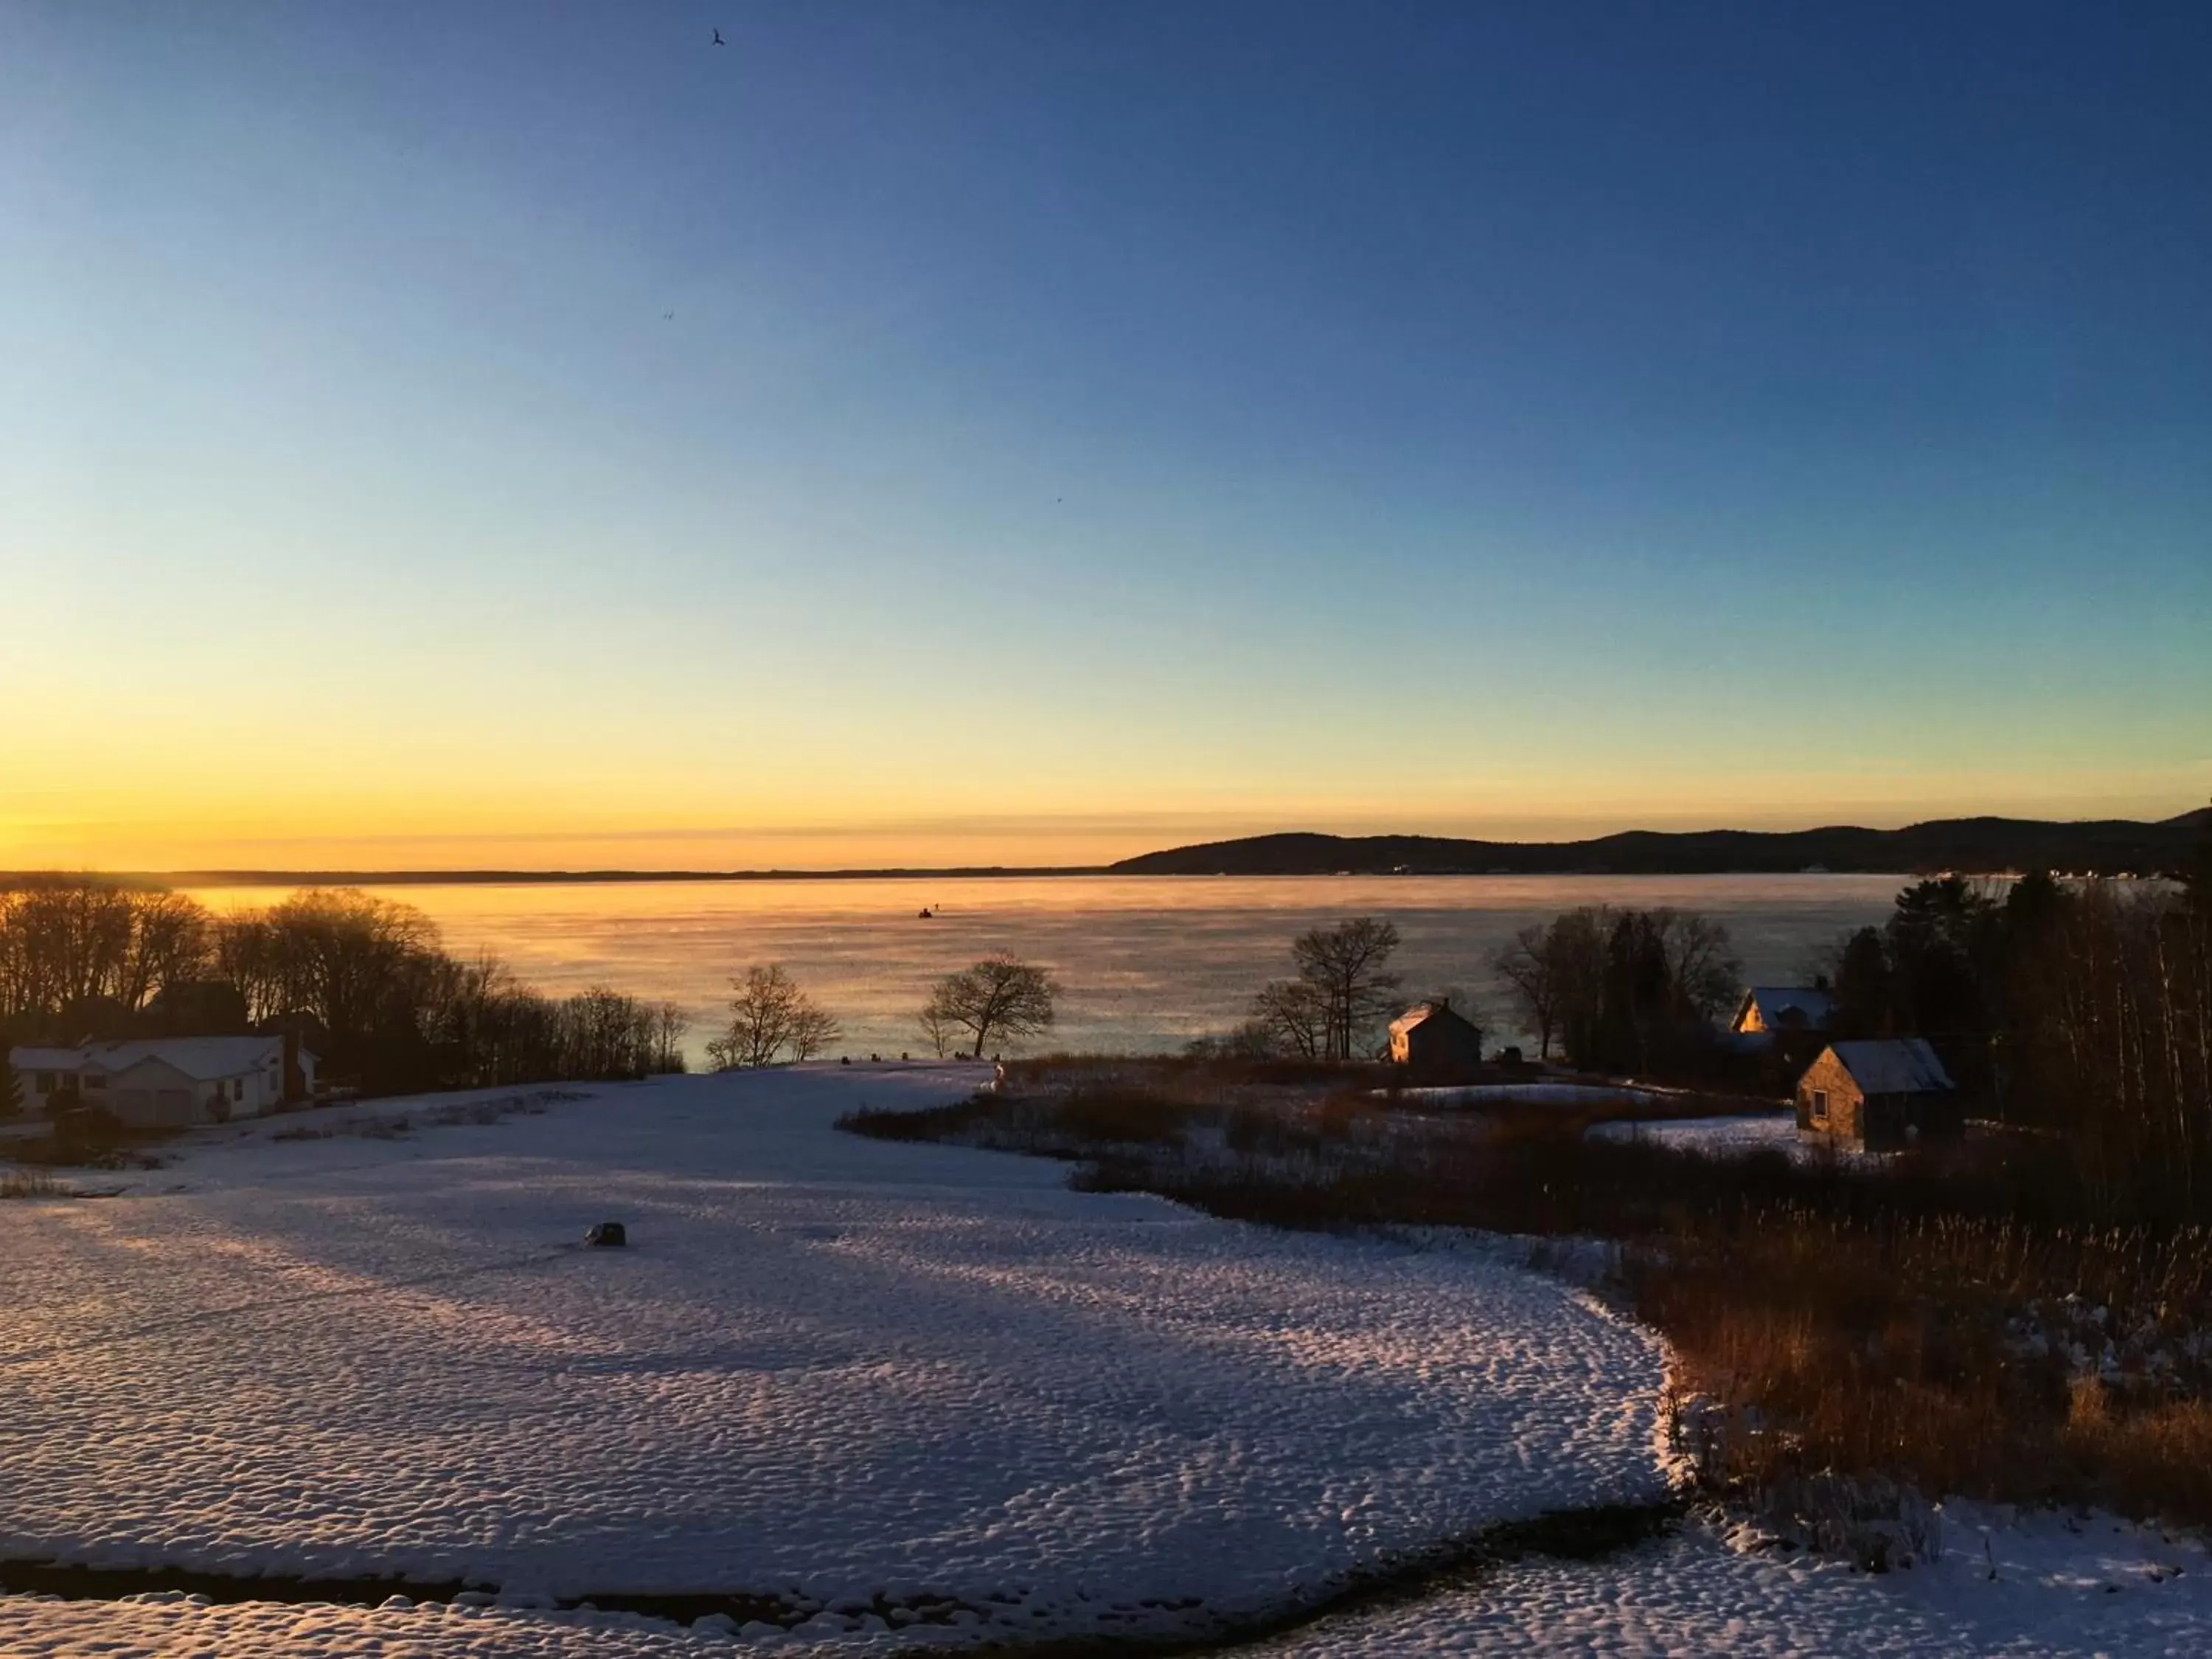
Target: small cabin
[1877, 1095]
[1436, 1043]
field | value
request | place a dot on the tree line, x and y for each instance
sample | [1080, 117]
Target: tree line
[1615, 989]
[1622, 989]
[2078, 1011]
[364, 982]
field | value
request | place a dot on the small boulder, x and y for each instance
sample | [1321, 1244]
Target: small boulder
[606, 1233]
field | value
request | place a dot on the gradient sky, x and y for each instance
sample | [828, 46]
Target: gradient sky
[1083, 427]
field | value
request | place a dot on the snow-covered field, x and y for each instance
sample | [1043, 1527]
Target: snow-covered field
[1527, 1094]
[2032, 1587]
[1721, 1137]
[827, 1369]
[2042, 1587]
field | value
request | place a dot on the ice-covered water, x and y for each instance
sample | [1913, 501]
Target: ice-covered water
[1147, 963]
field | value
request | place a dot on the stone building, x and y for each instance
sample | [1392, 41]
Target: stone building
[1877, 1095]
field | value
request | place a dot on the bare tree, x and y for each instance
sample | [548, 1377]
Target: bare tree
[353, 960]
[1706, 975]
[814, 1029]
[938, 1030]
[670, 1022]
[1346, 967]
[65, 941]
[1294, 1014]
[170, 945]
[769, 1014]
[1000, 997]
[1531, 967]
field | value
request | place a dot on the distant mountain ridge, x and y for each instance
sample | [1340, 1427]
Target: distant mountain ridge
[1977, 846]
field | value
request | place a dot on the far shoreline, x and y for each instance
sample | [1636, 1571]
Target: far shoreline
[221, 878]
[1992, 847]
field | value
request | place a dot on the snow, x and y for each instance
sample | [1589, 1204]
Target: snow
[1527, 1094]
[1718, 1137]
[166, 1624]
[2062, 1586]
[826, 1367]
[1894, 1065]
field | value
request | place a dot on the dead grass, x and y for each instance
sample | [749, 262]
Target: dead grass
[2161, 1455]
[30, 1184]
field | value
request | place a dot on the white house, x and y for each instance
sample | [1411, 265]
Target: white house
[1767, 1008]
[167, 1082]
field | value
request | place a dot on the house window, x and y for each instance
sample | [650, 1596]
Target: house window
[43, 1082]
[238, 1088]
[1820, 1106]
[95, 1081]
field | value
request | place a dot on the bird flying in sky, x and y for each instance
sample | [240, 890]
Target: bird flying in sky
[718, 38]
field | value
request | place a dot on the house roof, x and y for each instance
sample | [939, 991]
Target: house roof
[202, 1059]
[1813, 1006]
[1892, 1066]
[29, 1058]
[1421, 1012]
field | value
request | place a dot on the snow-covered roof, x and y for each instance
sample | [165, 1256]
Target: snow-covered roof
[202, 1059]
[1774, 1002]
[1892, 1066]
[29, 1058]
[1421, 1013]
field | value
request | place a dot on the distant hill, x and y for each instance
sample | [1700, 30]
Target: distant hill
[2108, 847]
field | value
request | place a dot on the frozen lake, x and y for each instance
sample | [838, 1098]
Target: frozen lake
[1147, 963]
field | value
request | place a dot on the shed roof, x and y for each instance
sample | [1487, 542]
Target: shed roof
[1813, 1004]
[1894, 1065]
[1422, 1012]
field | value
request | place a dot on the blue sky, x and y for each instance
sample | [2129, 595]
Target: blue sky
[1082, 427]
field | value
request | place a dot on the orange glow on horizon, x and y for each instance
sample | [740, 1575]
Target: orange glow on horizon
[367, 833]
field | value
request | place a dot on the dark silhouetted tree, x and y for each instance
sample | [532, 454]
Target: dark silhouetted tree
[1000, 998]
[1294, 1014]
[1532, 967]
[1864, 987]
[768, 1015]
[1347, 967]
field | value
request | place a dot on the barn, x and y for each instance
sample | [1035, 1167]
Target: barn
[1877, 1095]
[1435, 1043]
